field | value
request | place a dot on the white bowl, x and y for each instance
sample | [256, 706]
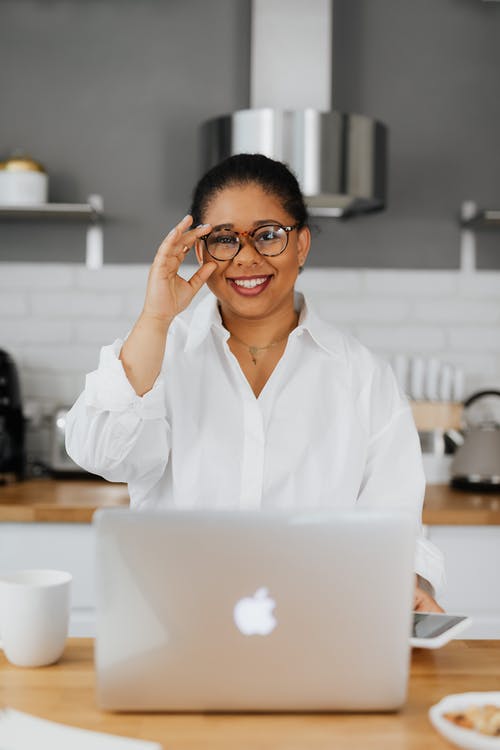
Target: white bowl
[466, 738]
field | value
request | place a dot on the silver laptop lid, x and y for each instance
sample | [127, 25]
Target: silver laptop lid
[259, 611]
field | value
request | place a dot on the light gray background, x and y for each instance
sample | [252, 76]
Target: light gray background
[108, 95]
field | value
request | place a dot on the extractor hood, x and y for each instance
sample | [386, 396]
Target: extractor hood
[340, 159]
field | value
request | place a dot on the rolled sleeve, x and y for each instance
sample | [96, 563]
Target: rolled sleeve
[108, 388]
[113, 432]
[394, 475]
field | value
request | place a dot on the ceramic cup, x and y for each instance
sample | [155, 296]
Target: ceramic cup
[34, 616]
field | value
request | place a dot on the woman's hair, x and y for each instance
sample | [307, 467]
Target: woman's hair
[272, 176]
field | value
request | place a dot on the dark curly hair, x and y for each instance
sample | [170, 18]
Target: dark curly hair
[272, 176]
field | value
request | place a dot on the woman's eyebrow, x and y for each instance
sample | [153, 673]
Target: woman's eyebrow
[223, 226]
[259, 222]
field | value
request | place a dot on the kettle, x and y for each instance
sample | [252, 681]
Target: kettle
[476, 463]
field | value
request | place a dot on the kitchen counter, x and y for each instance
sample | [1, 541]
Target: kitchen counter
[75, 500]
[65, 693]
[59, 500]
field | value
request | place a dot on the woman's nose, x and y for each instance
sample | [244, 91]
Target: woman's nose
[247, 255]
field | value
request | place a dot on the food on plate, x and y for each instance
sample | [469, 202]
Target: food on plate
[484, 719]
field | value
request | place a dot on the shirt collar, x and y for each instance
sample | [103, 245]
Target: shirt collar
[206, 317]
[324, 335]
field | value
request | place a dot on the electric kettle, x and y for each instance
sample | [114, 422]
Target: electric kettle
[476, 463]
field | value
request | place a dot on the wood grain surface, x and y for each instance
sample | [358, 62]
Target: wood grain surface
[75, 500]
[59, 500]
[65, 693]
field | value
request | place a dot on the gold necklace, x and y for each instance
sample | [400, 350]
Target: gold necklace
[254, 350]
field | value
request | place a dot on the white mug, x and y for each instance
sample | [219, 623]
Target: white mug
[34, 616]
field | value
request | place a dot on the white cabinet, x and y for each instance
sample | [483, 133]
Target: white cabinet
[472, 562]
[63, 546]
[472, 558]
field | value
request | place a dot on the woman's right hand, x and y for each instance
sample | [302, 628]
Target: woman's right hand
[167, 293]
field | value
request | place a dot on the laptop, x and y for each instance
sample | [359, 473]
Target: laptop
[253, 611]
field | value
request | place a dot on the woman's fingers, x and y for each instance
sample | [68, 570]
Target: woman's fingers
[424, 602]
[200, 277]
[180, 239]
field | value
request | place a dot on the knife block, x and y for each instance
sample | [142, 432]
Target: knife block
[437, 415]
[433, 419]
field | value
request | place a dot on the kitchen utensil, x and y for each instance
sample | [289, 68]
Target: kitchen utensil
[417, 377]
[445, 383]
[434, 421]
[431, 378]
[23, 182]
[60, 462]
[476, 464]
[12, 462]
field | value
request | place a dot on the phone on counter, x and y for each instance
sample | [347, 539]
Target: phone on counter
[432, 630]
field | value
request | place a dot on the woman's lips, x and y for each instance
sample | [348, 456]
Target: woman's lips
[250, 286]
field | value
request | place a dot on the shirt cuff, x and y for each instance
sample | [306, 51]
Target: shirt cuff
[429, 563]
[108, 388]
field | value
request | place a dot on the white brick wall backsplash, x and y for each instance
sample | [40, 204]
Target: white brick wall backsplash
[36, 276]
[76, 304]
[54, 317]
[397, 338]
[12, 304]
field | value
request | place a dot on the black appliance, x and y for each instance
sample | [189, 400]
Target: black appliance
[12, 460]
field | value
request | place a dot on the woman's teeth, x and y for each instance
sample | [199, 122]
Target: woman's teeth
[250, 283]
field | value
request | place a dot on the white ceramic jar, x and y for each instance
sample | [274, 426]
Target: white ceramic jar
[23, 182]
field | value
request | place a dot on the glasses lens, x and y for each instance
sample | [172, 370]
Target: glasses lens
[270, 240]
[223, 244]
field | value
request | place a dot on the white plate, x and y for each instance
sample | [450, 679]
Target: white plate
[466, 738]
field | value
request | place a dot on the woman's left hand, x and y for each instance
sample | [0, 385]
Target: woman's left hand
[423, 602]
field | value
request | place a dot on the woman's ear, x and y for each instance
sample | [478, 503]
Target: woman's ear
[303, 244]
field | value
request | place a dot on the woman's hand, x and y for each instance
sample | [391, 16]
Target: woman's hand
[167, 293]
[423, 601]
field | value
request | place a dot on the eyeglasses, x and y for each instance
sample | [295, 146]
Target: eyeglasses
[269, 239]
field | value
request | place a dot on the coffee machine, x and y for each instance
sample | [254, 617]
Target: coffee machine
[12, 455]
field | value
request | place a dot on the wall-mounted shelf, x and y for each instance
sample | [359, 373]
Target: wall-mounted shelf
[473, 219]
[91, 212]
[483, 219]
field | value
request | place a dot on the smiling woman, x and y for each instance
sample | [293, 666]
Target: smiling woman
[253, 402]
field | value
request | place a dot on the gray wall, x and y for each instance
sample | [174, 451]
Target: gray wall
[430, 69]
[108, 94]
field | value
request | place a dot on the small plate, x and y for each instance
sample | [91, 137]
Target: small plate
[469, 739]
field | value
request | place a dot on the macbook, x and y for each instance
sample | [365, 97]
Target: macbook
[253, 611]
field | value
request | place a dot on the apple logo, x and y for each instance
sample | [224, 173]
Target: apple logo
[253, 615]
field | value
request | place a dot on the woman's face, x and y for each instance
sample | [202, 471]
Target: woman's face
[243, 208]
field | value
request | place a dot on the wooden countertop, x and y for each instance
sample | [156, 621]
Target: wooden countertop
[75, 500]
[59, 500]
[65, 693]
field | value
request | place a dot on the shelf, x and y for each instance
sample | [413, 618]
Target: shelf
[90, 212]
[483, 219]
[74, 211]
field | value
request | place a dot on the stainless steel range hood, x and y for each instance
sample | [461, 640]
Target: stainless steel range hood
[339, 159]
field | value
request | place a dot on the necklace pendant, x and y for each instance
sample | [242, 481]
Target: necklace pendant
[253, 353]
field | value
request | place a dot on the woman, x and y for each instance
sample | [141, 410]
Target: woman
[253, 402]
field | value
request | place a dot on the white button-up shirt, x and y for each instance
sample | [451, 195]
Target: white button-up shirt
[329, 429]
